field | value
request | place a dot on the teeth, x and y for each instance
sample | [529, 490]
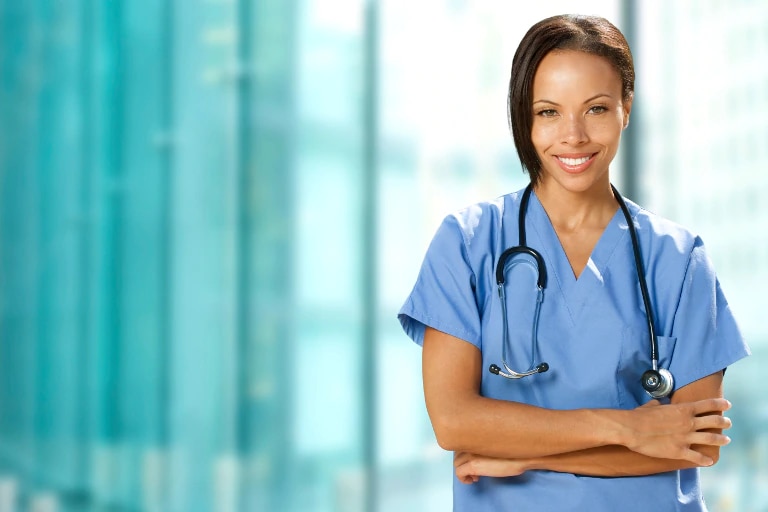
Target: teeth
[574, 161]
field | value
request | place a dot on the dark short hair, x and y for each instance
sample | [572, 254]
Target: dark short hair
[588, 34]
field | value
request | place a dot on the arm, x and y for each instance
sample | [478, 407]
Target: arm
[605, 460]
[465, 421]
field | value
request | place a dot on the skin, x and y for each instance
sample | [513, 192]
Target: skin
[579, 115]
[579, 111]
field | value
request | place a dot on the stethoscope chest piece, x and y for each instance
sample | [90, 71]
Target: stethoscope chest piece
[658, 383]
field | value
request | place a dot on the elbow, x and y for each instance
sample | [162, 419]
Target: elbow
[448, 432]
[455, 422]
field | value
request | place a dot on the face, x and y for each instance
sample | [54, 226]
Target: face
[578, 117]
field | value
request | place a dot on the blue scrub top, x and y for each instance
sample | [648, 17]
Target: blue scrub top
[592, 332]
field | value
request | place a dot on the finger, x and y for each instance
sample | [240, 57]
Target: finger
[651, 403]
[697, 458]
[464, 475]
[711, 405]
[712, 421]
[709, 438]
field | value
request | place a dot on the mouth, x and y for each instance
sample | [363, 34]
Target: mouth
[575, 163]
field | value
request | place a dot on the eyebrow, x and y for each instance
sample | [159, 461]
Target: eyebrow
[550, 102]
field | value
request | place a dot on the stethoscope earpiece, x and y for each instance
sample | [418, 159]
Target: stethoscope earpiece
[494, 369]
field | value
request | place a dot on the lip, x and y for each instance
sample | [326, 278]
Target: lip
[575, 169]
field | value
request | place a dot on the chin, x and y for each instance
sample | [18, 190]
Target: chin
[576, 184]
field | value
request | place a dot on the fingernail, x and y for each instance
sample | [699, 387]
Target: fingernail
[727, 440]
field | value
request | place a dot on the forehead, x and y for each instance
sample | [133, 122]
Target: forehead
[566, 72]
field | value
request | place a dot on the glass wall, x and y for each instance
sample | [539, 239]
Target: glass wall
[183, 321]
[210, 213]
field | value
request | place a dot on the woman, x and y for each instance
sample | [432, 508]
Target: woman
[549, 440]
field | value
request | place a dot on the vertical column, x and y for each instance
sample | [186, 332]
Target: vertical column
[268, 304]
[141, 474]
[19, 257]
[103, 357]
[59, 281]
[369, 239]
[203, 253]
[629, 144]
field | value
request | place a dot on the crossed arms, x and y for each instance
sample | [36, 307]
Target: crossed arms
[500, 438]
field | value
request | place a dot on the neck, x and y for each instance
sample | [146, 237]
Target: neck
[575, 210]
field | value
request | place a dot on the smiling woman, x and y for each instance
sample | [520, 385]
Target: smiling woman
[606, 403]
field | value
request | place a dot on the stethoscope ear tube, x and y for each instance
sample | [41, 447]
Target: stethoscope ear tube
[541, 280]
[658, 383]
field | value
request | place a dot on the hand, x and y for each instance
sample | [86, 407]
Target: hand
[470, 467]
[669, 431]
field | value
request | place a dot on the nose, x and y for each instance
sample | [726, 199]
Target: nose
[574, 130]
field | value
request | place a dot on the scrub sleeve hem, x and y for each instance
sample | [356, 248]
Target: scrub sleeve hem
[415, 323]
[682, 380]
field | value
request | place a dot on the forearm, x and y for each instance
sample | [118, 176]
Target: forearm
[604, 461]
[611, 461]
[510, 430]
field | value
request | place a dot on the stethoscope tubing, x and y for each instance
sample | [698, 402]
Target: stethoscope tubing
[522, 248]
[640, 278]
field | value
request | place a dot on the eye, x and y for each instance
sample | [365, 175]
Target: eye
[598, 109]
[547, 112]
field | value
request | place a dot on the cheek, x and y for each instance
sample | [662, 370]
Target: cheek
[612, 135]
[606, 131]
[542, 137]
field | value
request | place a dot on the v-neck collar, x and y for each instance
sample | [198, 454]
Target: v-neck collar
[575, 292]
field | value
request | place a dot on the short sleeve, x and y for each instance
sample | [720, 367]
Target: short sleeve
[444, 294]
[708, 338]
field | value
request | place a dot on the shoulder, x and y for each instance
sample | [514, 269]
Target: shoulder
[479, 222]
[662, 235]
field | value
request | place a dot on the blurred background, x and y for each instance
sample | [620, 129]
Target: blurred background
[211, 211]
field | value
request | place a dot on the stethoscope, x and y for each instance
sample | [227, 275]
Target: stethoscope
[658, 382]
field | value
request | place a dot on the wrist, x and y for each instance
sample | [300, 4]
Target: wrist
[619, 432]
[613, 427]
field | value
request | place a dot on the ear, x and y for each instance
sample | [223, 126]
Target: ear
[627, 108]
